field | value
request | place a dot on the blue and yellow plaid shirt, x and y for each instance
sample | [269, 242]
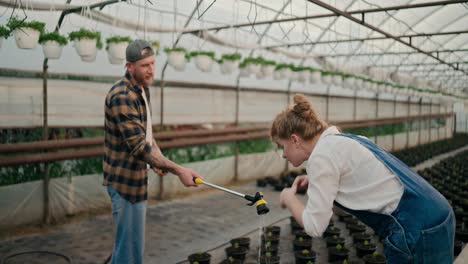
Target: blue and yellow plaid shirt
[126, 150]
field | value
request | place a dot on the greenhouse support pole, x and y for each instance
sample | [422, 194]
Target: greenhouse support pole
[355, 105]
[438, 126]
[376, 116]
[327, 102]
[409, 126]
[160, 194]
[393, 125]
[430, 122]
[45, 137]
[420, 121]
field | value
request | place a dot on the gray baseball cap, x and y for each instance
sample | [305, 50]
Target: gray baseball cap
[133, 51]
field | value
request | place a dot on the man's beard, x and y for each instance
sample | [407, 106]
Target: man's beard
[140, 79]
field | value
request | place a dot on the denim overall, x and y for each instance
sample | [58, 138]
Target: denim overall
[422, 227]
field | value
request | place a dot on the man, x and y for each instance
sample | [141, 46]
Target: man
[130, 150]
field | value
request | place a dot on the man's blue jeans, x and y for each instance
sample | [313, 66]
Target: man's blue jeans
[129, 220]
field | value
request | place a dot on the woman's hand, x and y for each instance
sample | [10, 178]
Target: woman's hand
[301, 182]
[287, 196]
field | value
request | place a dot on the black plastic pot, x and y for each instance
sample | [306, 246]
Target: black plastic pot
[335, 254]
[334, 241]
[231, 261]
[374, 259]
[273, 239]
[363, 249]
[236, 253]
[241, 241]
[361, 237]
[275, 230]
[269, 260]
[356, 228]
[201, 258]
[261, 183]
[302, 233]
[301, 243]
[273, 249]
[304, 256]
[332, 231]
[458, 247]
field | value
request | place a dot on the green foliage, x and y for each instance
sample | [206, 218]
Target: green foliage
[118, 39]
[176, 49]
[268, 254]
[366, 242]
[252, 60]
[86, 34]
[339, 247]
[283, 66]
[54, 36]
[155, 44]
[231, 56]
[305, 251]
[4, 32]
[202, 52]
[15, 23]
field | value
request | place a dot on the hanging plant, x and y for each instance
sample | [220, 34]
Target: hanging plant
[177, 58]
[86, 43]
[348, 81]
[156, 46]
[229, 62]
[301, 73]
[4, 34]
[116, 47]
[26, 32]
[337, 78]
[327, 77]
[268, 67]
[203, 59]
[52, 44]
[253, 65]
[284, 70]
[243, 72]
[314, 75]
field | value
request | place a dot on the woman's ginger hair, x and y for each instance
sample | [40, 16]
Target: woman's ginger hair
[300, 119]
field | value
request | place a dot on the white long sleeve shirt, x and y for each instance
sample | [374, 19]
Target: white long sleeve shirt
[341, 169]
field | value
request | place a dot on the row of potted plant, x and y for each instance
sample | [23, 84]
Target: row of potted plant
[29, 33]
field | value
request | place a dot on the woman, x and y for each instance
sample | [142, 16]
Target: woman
[353, 174]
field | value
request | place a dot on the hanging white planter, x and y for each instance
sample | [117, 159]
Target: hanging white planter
[52, 49]
[26, 38]
[326, 79]
[86, 47]
[243, 72]
[303, 76]
[204, 63]
[286, 73]
[229, 66]
[90, 58]
[267, 70]
[348, 83]
[337, 80]
[253, 68]
[260, 75]
[315, 77]
[277, 75]
[113, 60]
[177, 60]
[295, 76]
[1, 41]
[116, 50]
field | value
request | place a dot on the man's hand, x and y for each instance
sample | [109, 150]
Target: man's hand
[186, 176]
[160, 172]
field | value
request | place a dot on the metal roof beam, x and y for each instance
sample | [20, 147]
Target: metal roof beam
[378, 30]
[371, 38]
[398, 53]
[355, 12]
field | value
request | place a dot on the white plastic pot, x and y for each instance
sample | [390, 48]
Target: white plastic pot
[315, 77]
[113, 60]
[260, 75]
[295, 76]
[277, 75]
[26, 38]
[303, 76]
[253, 68]
[116, 50]
[86, 47]
[358, 84]
[267, 70]
[204, 63]
[348, 83]
[177, 60]
[326, 79]
[90, 58]
[243, 72]
[337, 80]
[52, 49]
[286, 73]
[1, 41]
[229, 66]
